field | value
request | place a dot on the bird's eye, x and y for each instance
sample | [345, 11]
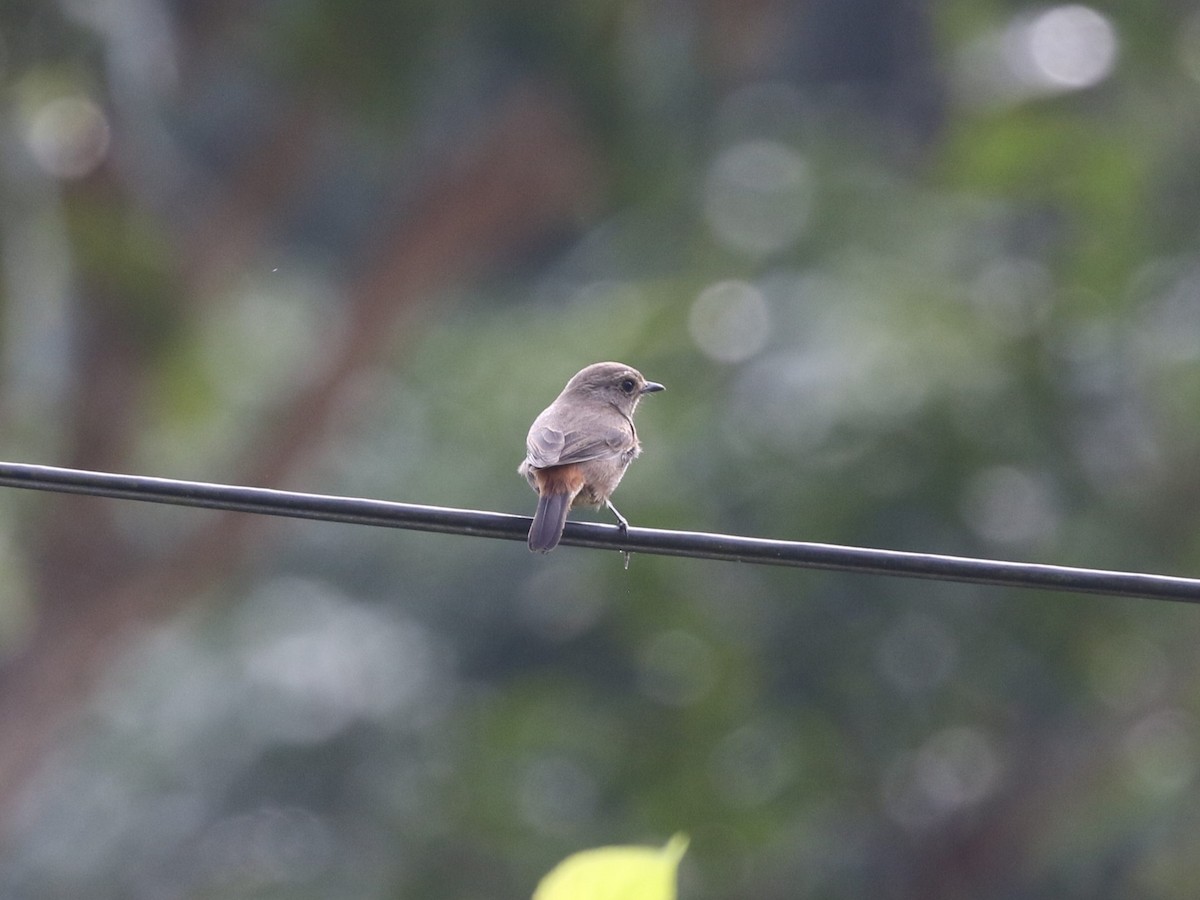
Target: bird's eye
[628, 385]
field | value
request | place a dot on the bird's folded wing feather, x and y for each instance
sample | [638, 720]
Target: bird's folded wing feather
[550, 446]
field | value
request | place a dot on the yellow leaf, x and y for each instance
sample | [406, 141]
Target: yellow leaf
[616, 873]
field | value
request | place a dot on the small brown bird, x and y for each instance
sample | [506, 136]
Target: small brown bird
[580, 446]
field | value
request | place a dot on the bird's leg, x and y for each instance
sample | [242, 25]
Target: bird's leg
[623, 524]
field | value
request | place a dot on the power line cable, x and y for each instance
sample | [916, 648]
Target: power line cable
[478, 523]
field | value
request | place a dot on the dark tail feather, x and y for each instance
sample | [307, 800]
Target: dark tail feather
[549, 521]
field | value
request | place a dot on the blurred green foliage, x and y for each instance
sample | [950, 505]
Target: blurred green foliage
[957, 313]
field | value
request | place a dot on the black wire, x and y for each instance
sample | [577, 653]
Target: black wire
[587, 534]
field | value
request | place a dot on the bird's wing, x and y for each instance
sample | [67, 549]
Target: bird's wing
[551, 446]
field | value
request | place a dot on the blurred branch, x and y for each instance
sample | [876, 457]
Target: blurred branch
[528, 171]
[525, 172]
[244, 210]
[476, 523]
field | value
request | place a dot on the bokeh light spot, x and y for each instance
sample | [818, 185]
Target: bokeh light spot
[553, 610]
[68, 136]
[1126, 671]
[677, 668]
[1073, 46]
[1013, 296]
[917, 654]
[729, 321]
[750, 767]
[1042, 53]
[1161, 752]
[1189, 46]
[1010, 506]
[955, 768]
[319, 662]
[758, 196]
[556, 795]
[268, 846]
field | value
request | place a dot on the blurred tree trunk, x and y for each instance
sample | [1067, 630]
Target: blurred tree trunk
[524, 173]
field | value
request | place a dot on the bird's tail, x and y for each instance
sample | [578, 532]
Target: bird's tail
[549, 521]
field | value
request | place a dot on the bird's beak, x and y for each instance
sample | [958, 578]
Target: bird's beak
[651, 387]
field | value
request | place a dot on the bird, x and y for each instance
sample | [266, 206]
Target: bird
[579, 446]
